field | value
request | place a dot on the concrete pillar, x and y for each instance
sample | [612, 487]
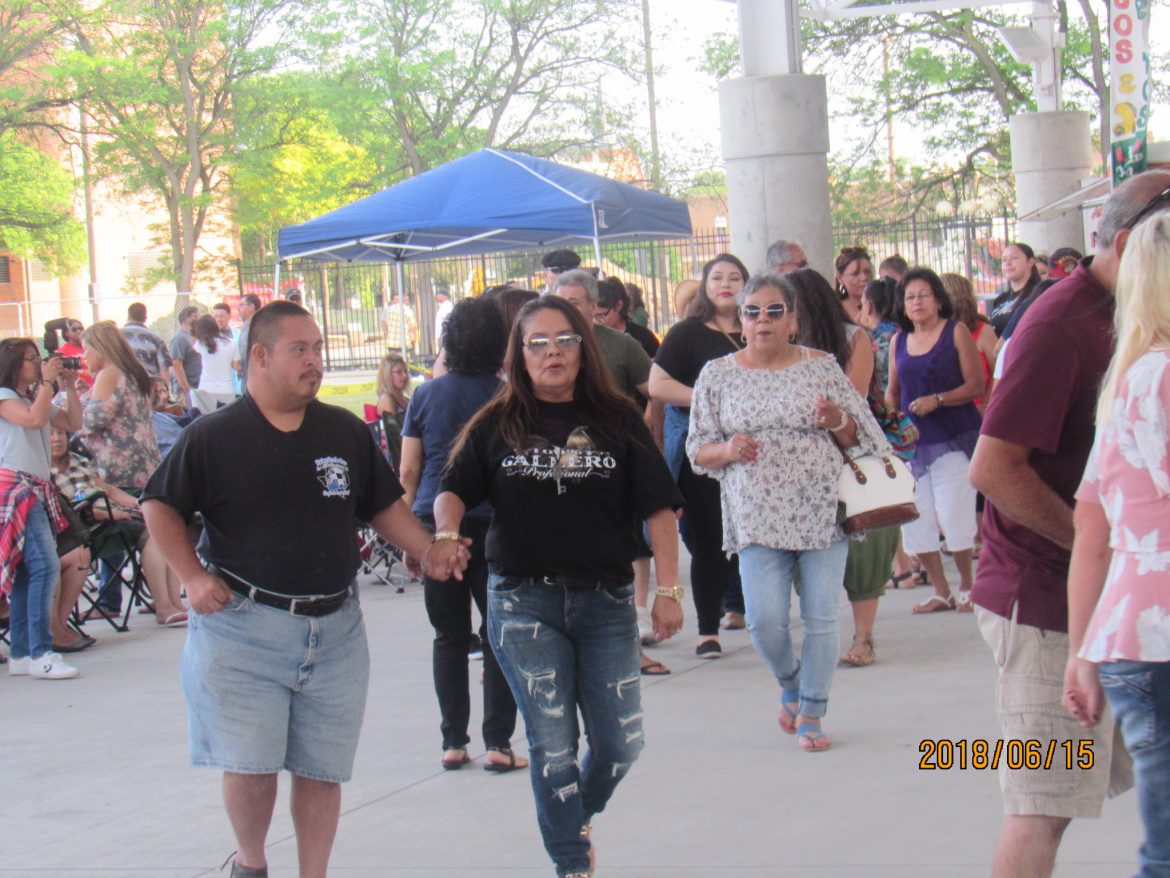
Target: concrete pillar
[1051, 154]
[775, 132]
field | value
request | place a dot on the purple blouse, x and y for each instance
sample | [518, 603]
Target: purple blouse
[951, 428]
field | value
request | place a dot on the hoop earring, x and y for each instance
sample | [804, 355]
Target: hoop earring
[792, 338]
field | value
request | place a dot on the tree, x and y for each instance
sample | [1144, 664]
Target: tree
[32, 32]
[948, 73]
[429, 80]
[160, 77]
[292, 162]
[36, 212]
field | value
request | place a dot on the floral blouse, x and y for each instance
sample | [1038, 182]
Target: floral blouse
[119, 434]
[1128, 473]
[787, 497]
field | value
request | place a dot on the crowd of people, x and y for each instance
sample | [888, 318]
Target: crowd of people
[1040, 469]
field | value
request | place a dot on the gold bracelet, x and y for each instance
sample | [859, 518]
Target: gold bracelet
[446, 535]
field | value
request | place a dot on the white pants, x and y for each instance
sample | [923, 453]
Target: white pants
[946, 502]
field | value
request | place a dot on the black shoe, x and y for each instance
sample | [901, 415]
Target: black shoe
[84, 642]
[709, 649]
[474, 647]
[239, 871]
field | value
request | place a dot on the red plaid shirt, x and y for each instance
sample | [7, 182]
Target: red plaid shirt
[18, 492]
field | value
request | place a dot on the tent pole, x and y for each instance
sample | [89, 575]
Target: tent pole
[400, 272]
[596, 241]
[276, 280]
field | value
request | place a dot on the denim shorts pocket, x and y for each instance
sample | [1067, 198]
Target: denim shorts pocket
[1130, 688]
[621, 596]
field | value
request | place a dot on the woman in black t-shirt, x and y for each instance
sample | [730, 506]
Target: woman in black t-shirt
[712, 331]
[1021, 274]
[567, 464]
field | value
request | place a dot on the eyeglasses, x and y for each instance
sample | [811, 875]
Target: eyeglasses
[35, 358]
[538, 344]
[774, 311]
[793, 266]
[1153, 204]
[918, 297]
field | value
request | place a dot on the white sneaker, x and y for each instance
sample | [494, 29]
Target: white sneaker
[51, 666]
[17, 667]
[645, 626]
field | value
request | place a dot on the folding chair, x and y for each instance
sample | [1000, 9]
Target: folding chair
[111, 543]
[378, 558]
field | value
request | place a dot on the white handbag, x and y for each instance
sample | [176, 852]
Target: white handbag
[877, 491]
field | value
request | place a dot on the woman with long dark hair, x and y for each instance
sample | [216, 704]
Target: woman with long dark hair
[474, 344]
[1020, 276]
[30, 512]
[566, 463]
[853, 269]
[710, 330]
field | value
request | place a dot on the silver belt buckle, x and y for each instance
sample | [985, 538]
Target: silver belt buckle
[292, 606]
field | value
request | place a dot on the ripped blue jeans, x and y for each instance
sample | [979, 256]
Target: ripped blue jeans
[563, 649]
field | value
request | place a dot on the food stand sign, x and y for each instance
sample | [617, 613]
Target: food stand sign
[1129, 94]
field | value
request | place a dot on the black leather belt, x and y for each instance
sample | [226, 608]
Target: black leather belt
[574, 583]
[307, 606]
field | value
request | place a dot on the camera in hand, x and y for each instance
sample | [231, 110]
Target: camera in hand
[73, 364]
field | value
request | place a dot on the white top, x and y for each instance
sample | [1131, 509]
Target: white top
[787, 497]
[21, 448]
[216, 376]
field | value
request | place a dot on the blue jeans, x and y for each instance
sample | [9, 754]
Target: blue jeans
[559, 649]
[767, 592]
[1139, 694]
[31, 600]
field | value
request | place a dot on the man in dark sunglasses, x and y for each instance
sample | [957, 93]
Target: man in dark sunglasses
[1033, 447]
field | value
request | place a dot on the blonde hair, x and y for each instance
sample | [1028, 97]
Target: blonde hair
[385, 386]
[962, 298]
[105, 338]
[1142, 318]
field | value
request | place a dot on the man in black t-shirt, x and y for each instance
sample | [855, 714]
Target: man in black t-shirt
[276, 664]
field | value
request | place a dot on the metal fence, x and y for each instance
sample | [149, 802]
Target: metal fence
[349, 299]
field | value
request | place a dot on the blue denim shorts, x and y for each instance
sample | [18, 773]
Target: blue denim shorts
[268, 690]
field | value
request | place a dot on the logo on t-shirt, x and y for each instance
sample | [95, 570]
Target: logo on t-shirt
[579, 459]
[333, 474]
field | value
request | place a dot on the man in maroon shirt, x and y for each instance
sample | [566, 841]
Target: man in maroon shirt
[1036, 437]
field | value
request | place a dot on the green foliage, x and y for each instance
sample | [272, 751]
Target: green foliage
[36, 211]
[292, 162]
[159, 79]
[420, 82]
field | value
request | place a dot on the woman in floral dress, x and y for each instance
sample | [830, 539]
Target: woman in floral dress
[769, 422]
[1119, 579]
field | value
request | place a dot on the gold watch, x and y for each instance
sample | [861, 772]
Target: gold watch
[674, 592]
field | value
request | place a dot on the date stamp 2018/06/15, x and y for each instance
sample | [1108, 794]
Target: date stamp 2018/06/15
[980, 753]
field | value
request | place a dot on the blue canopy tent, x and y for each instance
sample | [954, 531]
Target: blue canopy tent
[485, 202]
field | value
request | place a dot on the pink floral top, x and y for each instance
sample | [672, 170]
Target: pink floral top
[119, 433]
[1128, 474]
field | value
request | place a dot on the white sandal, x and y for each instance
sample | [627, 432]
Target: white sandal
[963, 601]
[934, 604]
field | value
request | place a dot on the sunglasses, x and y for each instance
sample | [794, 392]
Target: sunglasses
[774, 311]
[1152, 205]
[539, 344]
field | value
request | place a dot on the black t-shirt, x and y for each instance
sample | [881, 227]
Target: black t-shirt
[688, 347]
[278, 508]
[563, 505]
[647, 339]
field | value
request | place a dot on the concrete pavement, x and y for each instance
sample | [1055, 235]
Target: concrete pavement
[96, 781]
